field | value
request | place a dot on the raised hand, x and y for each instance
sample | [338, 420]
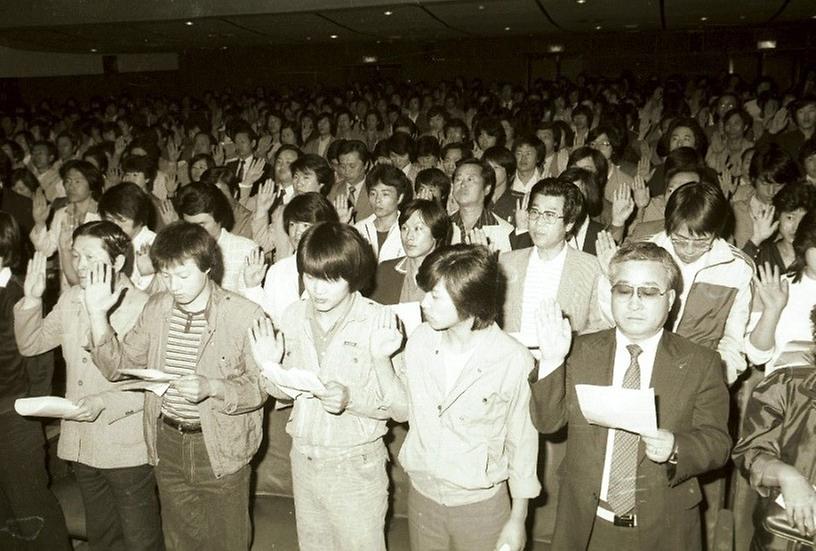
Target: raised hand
[265, 344]
[143, 262]
[113, 177]
[167, 212]
[554, 331]
[771, 287]
[640, 192]
[98, 292]
[66, 235]
[173, 150]
[622, 205]
[218, 154]
[764, 225]
[254, 171]
[386, 337]
[605, 249]
[728, 184]
[171, 180]
[119, 146]
[341, 205]
[39, 208]
[522, 217]
[254, 268]
[34, 285]
[266, 196]
[477, 236]
[264, 145]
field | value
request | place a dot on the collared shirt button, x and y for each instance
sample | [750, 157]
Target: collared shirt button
[84, 359]
[79, 382]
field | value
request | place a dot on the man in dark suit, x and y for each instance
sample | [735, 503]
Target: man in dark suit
[246, 165]
[354, 161]
[619, 490]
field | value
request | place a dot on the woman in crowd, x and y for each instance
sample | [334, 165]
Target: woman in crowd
[103, 438]
[199, 164]
[424, 227]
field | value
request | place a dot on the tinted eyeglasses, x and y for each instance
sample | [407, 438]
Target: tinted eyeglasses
[646, 292]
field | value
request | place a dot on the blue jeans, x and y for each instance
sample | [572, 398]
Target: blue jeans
[121, 508]
[30, 516]
[340, 503]
[200, 511]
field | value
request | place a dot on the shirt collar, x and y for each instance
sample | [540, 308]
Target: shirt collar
[5, 276]
[648, 346]
[557, 259]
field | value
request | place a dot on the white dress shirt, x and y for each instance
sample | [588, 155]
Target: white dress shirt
[234, 250]
[144, 237]
[542, 281]
[622, 361]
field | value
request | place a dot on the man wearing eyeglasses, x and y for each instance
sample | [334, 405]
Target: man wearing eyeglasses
[621, 490]
[551, 269]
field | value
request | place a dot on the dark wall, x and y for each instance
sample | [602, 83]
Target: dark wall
[514, 59]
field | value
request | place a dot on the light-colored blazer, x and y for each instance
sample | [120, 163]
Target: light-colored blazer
[577, 291]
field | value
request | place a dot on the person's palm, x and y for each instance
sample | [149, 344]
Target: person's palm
[34, 284]
[554, 331]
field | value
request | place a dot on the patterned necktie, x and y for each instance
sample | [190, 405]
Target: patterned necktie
[240, 173]
[623, 470]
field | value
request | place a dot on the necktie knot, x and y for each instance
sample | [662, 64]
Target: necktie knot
[634, 350]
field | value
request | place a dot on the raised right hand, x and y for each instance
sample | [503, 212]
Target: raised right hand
[266, 196]
[40, 208]
[254, 268]
[34, 285]
[554, 331]
[771, 287]
[265, 344]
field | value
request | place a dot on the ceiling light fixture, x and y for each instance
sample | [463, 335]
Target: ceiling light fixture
[581, 1]
[598, 27]
[481, 6]
[388, 12]
[188, 23]
[555, 48]
[766, 44]
[308, 38]
[704, 18]
[507, 28]
[369, 59]
[332, 36]
[93, 50]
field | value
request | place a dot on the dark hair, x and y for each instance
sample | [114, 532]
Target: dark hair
[434, 216]
[700, 140]
[492, 127]
[531, 141]
[616, 140]
[26, 177]
[96, 182]
[598, 161]
[807, 150]
[401, 143]
[486, 172]
[391, 176]
[574, 210]
[99, 155]
[747, 120]
[650, 252]
[329, 117]
[243, 127]
[180, 241]
[50, 147]
[502, 157]
[311, 208]
[805, 240]
[553, 128]
[114, 241]
[354, 146]
[142, 164]
[406, 124]
[427, 145]
[471, 277]
[699, 205]
[438, 110]
[585, 111]
[127, 200]
[331, 251]
[317, 164]
[204, 198]
[434, 177]
[593, 196]
[773, 164]
[794, 197]
[467, 152]
[206, 157]
[11, 243]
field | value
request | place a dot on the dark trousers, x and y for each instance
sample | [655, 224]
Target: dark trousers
[200, 511]
[30, 516]
[121, 508]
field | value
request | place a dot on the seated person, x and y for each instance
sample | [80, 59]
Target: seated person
[474, 222]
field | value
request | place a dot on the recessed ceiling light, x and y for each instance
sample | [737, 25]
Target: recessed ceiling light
[704, 18]
[224, 47]
[581, 1]
[742, 17]
[507, 28]
[598, 27]
[188, 23]
[308, 38]
[93, 50]
[332, 36]
[388, 12]
[481, 6]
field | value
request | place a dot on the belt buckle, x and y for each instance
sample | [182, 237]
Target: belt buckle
[627, 521]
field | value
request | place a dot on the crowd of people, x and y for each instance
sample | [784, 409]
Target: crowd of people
[458, 256]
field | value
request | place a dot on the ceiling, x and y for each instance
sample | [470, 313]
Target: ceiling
[133, 26]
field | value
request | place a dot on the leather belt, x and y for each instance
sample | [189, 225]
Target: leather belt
[180, 426]
[625, 521]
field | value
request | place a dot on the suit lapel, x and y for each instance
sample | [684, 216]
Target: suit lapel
[565, 291]
[517, 263]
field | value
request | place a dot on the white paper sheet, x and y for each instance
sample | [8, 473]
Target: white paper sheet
[409, 313]
[294, 381]
[156, 388]
[154, 375]
[618, 408]
[45, 406]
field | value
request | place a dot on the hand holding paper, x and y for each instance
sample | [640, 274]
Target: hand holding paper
[618, 408]
[293, 382]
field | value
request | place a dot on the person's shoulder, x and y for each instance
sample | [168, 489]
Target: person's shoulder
[591, 340]
[238, 241]
[583, 261]
[743, 260]
[685, 347]
[235, 304]
[515, 256]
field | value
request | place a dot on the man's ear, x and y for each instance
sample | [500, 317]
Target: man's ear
[672, 295]
[568, 227]
[118, 263]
